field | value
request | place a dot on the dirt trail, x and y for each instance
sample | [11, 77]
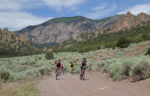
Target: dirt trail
[96, 84]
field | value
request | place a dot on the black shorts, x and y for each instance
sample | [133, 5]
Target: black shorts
[72, 66]
[83, 67]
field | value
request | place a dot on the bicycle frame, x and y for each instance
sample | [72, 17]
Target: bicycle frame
[82, 74]
[57, 73]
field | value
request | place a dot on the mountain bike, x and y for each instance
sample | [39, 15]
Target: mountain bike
[82, 77]
[72, 70]
[57, 73]
[63, 71]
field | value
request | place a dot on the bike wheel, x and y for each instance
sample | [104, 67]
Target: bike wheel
[63, 72]
[56, 75]
[72, 71]
[83, 75]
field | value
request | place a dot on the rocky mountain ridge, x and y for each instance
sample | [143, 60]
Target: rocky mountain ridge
[58, 30]
[12, 44]
[130, 20]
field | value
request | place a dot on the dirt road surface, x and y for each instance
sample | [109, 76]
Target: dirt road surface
[96, 84]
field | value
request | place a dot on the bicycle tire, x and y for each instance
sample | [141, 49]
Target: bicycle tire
[57, 74]
[82, 74]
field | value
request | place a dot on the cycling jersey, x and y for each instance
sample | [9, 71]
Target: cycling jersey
[71, 65]
[84, 64]
[62, 66]
[58, 64]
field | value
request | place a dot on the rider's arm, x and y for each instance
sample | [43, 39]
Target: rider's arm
[55, 64]
[87, 65]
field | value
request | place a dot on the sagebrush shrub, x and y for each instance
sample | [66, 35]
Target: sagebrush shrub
[49, 55]
[4, 75]
[141, 71]
[126, 68]
[148, 52]
[135, 67]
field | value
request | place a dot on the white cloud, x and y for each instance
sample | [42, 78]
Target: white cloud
[6, 5]
[58, 4]
[14, 18]
[100, 7]
[17, 20]
[138, 9]
[101, 11]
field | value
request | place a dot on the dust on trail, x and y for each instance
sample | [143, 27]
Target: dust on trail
[96, 84]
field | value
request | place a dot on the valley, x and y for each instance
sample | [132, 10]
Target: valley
[117, 50]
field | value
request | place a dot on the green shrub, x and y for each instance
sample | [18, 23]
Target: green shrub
[141, 71]
[123, 43]
[136, 67]
[44, 70]
[126, 68]
[49, 55]
[5, 76]
[146, 36]
[115, 70]
[148, 52]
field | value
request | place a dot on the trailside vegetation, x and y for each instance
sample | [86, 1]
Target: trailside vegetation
[49, 55]
[148, 52]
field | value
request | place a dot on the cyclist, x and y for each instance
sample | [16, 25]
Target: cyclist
[58, 66]
[72, 66]
[83, 65]
[62, 68]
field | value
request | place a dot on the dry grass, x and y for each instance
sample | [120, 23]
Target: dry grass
[23, 88]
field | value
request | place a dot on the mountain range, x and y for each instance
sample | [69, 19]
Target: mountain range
[58, 30]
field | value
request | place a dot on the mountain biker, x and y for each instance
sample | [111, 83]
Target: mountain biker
[83, 65]
[72, 66]
[62, 68]
[58, 65]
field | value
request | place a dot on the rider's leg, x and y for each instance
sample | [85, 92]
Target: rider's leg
[80, 70]
[60, 69]
[71, 70]
[55, 69]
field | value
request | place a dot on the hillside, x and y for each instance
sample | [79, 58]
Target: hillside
[12, 44]
[103, 40]
[62, 29]
[58, 30]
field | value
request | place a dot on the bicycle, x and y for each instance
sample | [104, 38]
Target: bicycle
[72, 70]
[57, 73]
[82, 77]
[63, 71]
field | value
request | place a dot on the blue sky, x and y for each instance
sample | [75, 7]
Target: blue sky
[17, 14]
